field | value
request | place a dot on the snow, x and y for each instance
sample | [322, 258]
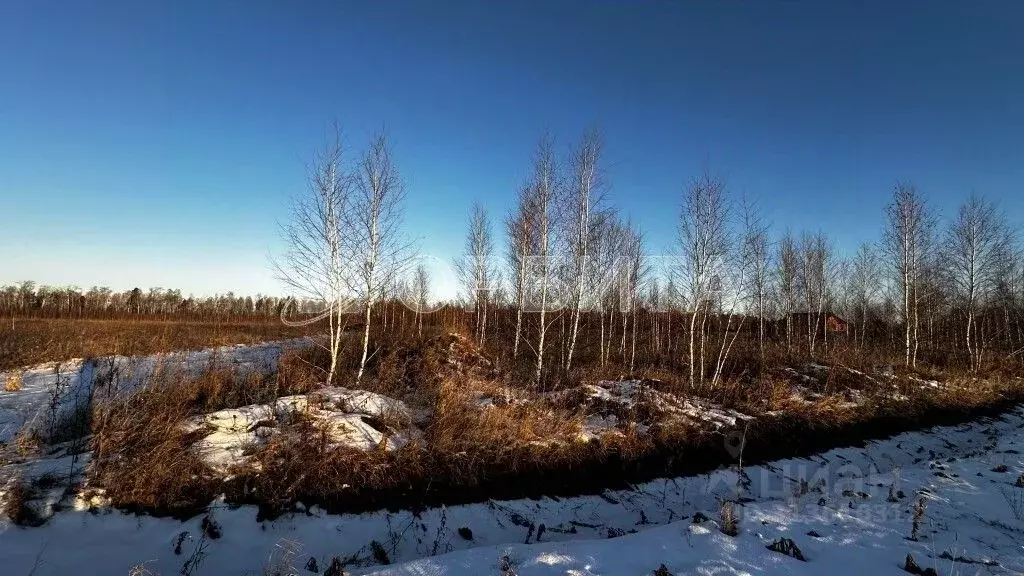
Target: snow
[231, 433]
[365, 402]
[343, 413]
[52, 392]
[849, 510]
[631, 393]
[842, 495]
[597, 425]
[925, 383]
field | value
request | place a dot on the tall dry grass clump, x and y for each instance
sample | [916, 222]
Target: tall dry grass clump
[13, 382]
[142, 451]
[513, 436]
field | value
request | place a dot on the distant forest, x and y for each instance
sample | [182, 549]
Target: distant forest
[41, 301]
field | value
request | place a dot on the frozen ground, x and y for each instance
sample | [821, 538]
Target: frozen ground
[849, 511]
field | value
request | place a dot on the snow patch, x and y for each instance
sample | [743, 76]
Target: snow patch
[357, 419]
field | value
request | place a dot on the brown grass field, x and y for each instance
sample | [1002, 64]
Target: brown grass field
[29, 341]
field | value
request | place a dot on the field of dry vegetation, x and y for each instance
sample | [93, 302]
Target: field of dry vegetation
[581, 364]
[29, 341]
[440, 419]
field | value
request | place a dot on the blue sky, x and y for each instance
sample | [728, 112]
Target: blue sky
[158, 143]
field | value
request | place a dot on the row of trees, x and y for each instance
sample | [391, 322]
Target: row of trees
[572, 281]
[39, 300]
[952, 290]
[576, 277]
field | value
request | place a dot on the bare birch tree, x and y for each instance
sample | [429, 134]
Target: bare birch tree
[704, 243]
[975, 243]
[315, 263]
[815, 268]
[742, 283]
[756, 260]
[545, 189]
[788, 270]
[865, 285]
[608, 248]
[635, 270]
[906, 240]
[475, 268]
[378, 248]
[583, 197]
[519, 231]
[421, 292]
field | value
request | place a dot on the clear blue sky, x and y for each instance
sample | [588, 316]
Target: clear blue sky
[157, 143]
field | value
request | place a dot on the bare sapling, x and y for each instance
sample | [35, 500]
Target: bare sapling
[475, 269]
[316, 261]
[379, 251]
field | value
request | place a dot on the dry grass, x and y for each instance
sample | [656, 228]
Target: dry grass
[469, 452]
[141, 451]
[141, 455]
[729, 523]
[17, 504]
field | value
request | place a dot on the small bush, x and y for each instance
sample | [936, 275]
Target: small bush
[211, 528]
[27, 441]
[910, 565]
[506, 565]
[788, 547]
[142, 456]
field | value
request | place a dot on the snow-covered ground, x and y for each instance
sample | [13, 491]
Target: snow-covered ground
[849, 511]
[48, 393]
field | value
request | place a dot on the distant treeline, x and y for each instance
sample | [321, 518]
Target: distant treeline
[39, 300]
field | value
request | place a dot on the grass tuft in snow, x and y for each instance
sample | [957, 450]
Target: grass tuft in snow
[915, 525]
[729, 522]
[335, 568]
[18, 506]
[788, 547]
[13, 382]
